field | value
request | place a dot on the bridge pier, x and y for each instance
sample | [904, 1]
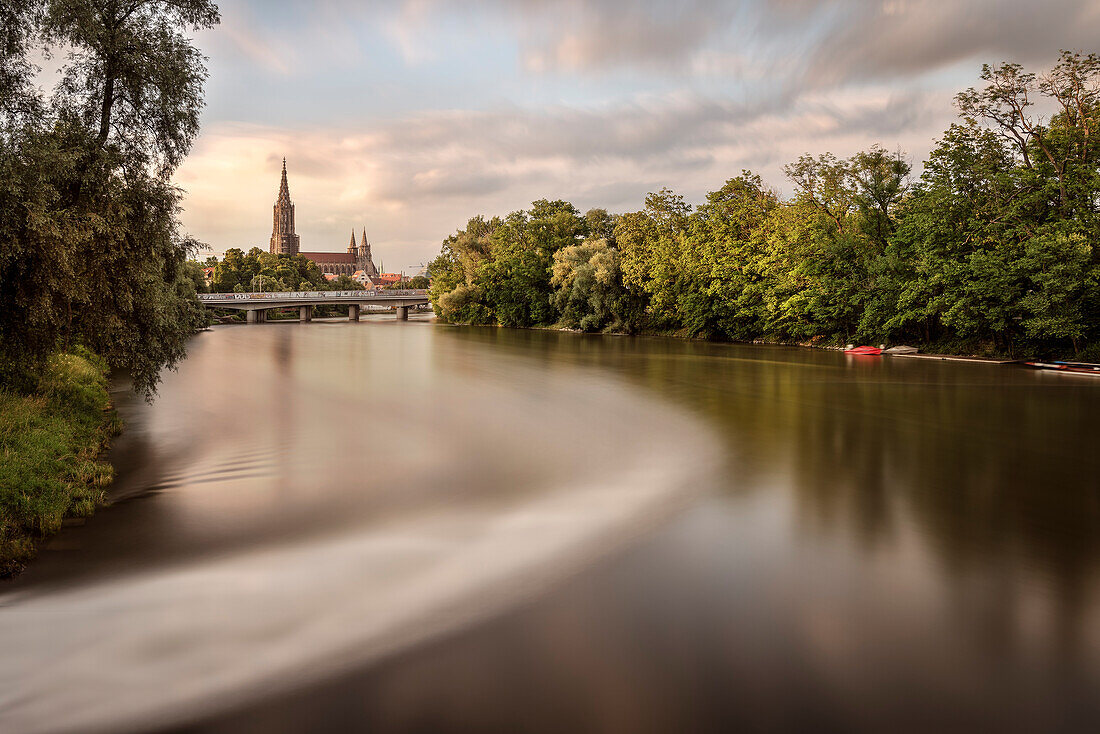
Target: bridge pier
[252, 317]
[402, 313]
[353, 312]
[305, 313]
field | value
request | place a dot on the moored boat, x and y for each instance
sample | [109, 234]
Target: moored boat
[1076, 368]
[868, 351]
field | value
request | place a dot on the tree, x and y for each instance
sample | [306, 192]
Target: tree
[453, 293]
[843, 222]
[880, 180]
[498, 270]
[635, 234]
[343, 282]
[956, 210]
[825, 183]
[515, 284]
[1054, 150]
[993, 248]
[193, 271]
[133, 74]
[89, 210]
[589, 290]
[37, 268]
[553, 225]
[19, 101]
[721, 261]
[601, 225]
[650, 243]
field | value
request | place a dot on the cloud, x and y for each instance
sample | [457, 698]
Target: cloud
[410, 116]
[411, 181]
[591, 34]
[899, 38]
[838, 40]
[258, 50]
[570, 35]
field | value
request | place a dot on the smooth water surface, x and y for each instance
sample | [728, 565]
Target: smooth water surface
[417, 527]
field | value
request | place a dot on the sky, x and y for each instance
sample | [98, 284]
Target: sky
[408, 117]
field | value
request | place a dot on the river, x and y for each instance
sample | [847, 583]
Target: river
[402, 527]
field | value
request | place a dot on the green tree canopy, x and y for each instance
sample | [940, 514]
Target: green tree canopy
[995, 247]
[92, 249]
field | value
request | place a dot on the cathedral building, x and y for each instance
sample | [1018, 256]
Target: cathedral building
[284, 241]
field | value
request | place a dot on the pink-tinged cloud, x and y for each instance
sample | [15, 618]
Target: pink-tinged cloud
[413, 181]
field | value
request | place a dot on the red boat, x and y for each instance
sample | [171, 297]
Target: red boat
[1076, 368]
[870, 351]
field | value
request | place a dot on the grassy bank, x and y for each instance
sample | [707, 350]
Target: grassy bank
[50, 446]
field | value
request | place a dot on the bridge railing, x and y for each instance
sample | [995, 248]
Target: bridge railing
[311, 295]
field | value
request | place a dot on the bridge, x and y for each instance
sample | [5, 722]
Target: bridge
[256, 305]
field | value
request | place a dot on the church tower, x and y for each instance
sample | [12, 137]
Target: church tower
[283, 239]
[352, 249]
[365, 261]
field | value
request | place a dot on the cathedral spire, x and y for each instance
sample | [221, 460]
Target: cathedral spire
[351, 246]
[283, 239]
[284, 190]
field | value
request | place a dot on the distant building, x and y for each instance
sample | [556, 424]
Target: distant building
[284, 241]
[389, 279]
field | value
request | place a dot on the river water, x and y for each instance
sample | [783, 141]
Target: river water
[402, 527]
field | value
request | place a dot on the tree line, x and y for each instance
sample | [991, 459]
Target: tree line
[256, 270]
[241, 272]
[91, 251]
[993, 248]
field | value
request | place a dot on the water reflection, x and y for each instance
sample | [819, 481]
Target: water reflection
[985, 460]
[303, 500]
[884, 544]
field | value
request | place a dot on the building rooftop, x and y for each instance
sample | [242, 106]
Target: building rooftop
[330, 257]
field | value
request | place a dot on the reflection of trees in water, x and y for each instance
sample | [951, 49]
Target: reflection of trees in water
[990, 467]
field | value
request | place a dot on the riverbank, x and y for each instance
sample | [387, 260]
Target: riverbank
[51, 444]
[953, 351]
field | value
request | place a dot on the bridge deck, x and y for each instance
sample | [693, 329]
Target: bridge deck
[255, 301]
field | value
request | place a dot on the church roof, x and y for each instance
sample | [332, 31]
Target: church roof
[330, 257]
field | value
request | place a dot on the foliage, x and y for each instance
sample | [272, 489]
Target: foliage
[49, 453]
[259, 270]
[588, 289]
[498, 271]
[343, 282]
[91, 250]
[995, 247]
[133, 73]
